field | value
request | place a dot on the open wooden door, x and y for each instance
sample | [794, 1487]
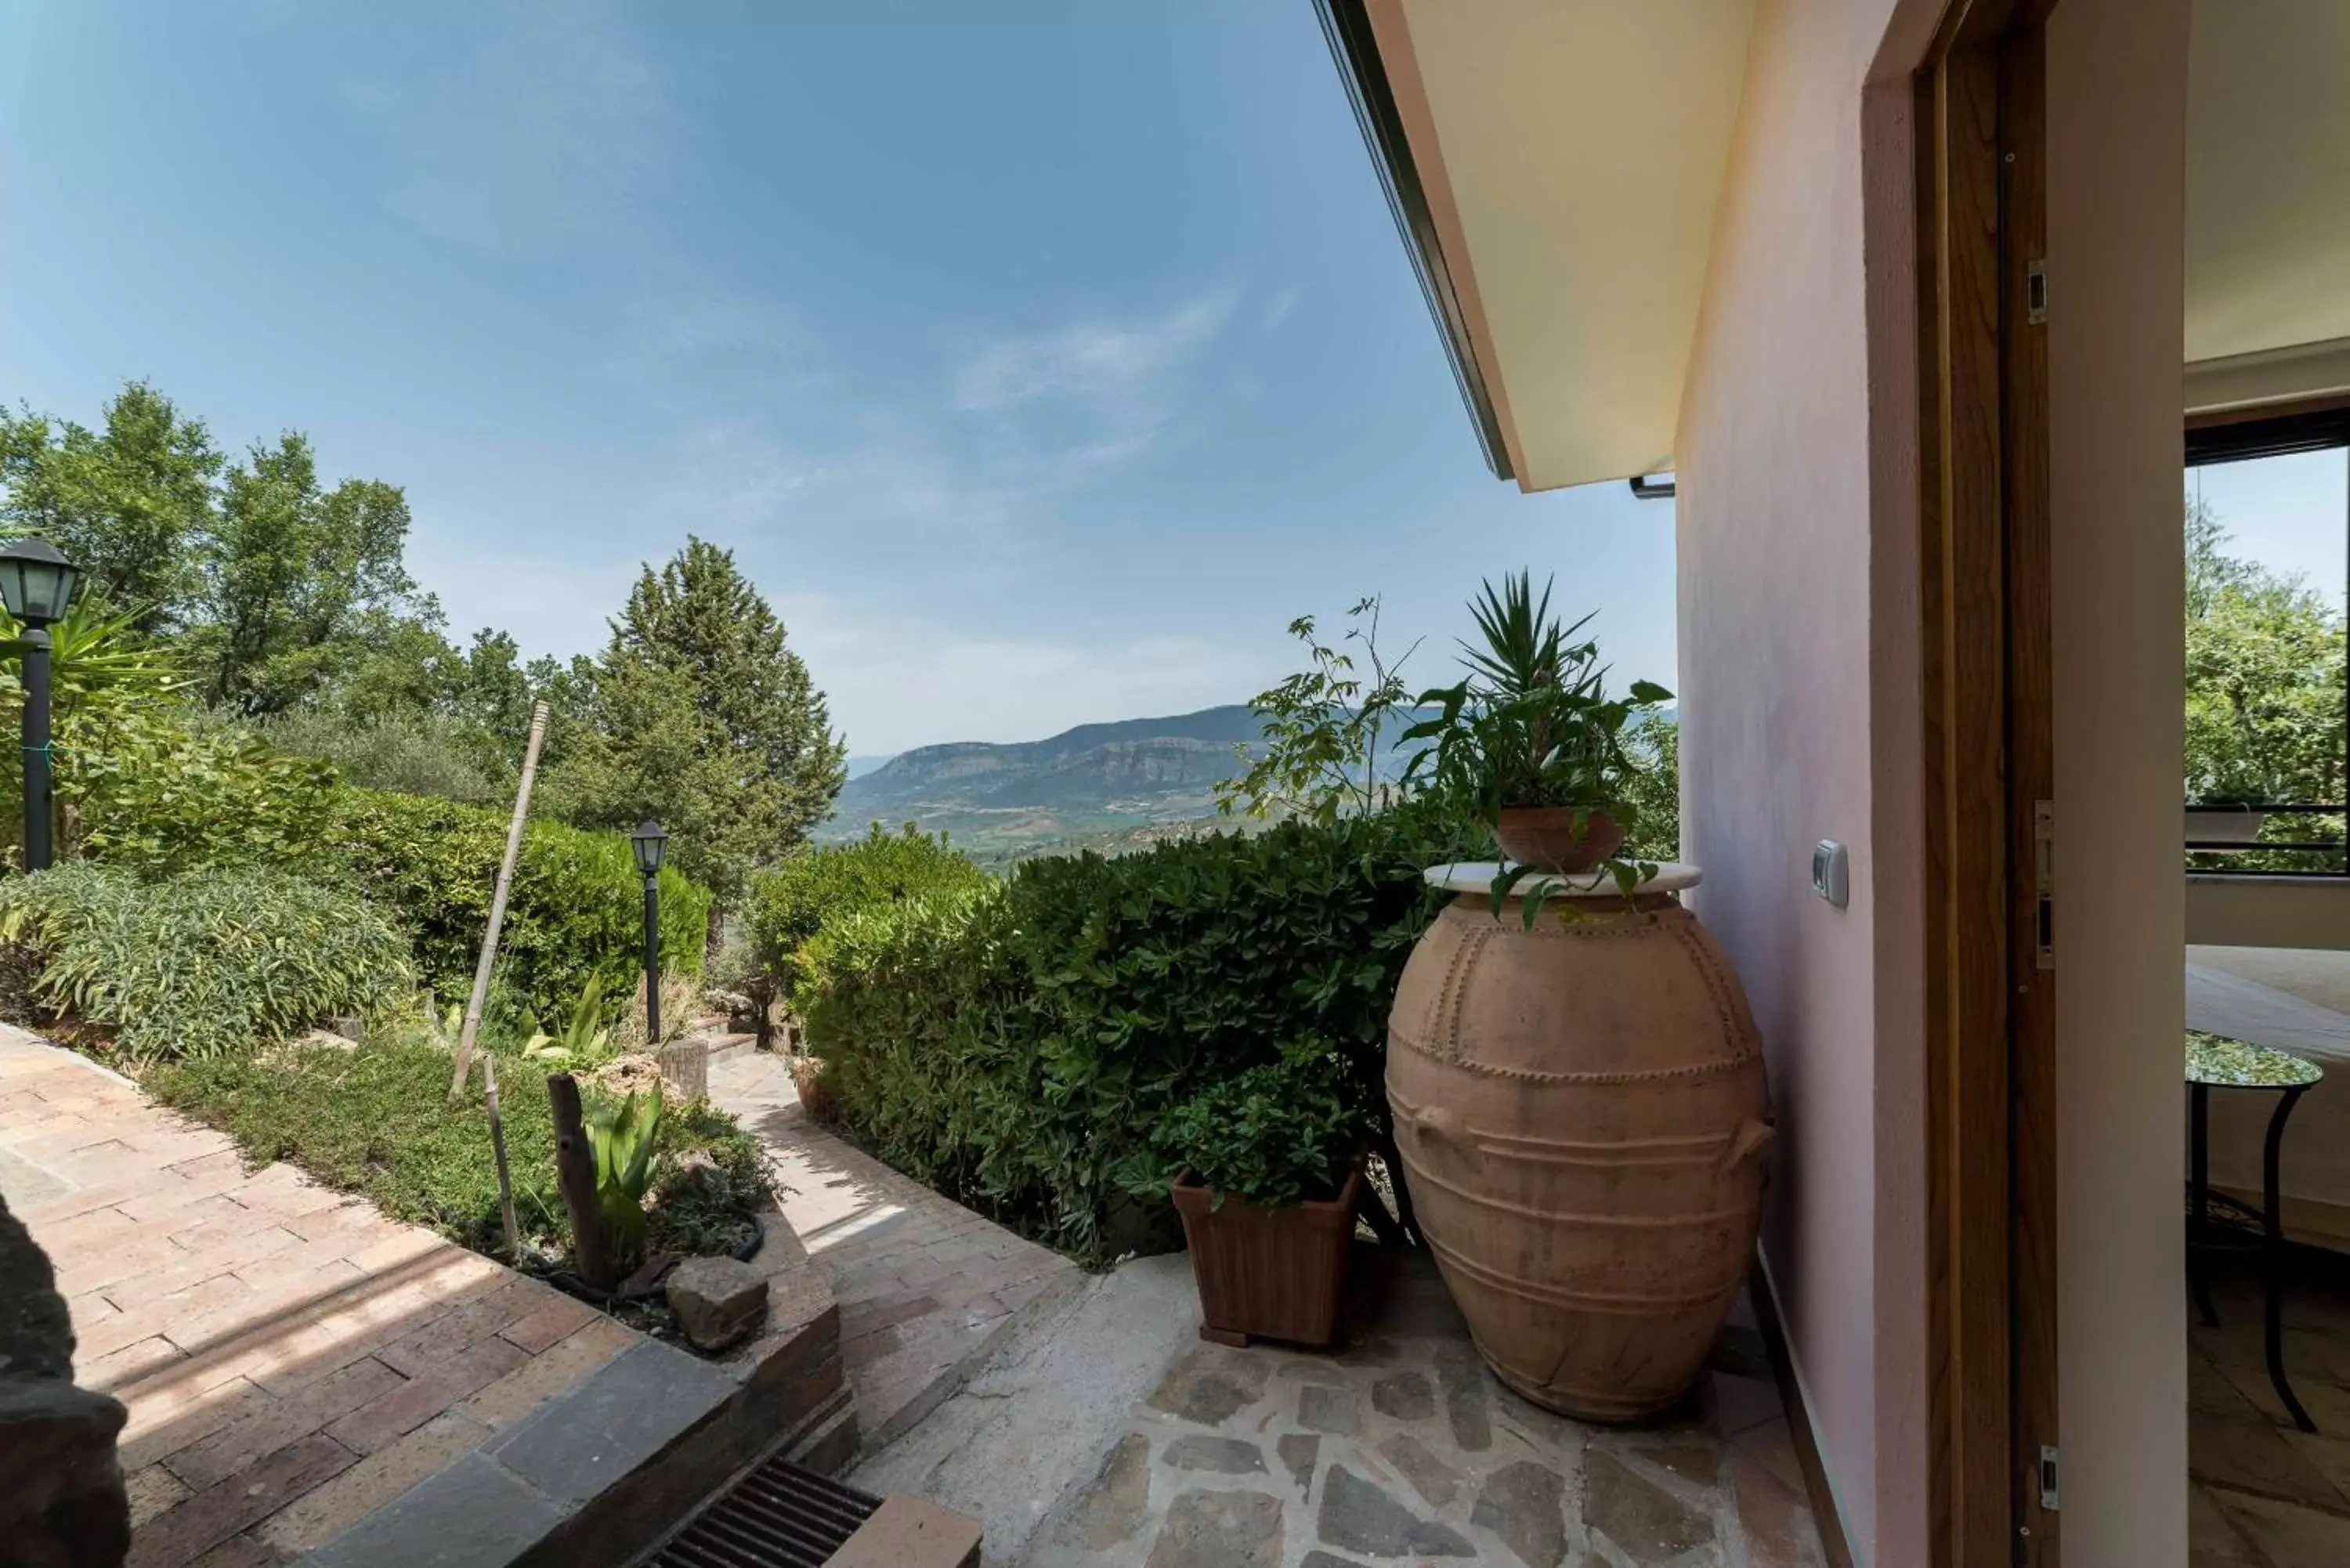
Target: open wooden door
[1990, 787]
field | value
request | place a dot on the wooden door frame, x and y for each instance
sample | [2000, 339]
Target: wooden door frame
[1989, 784]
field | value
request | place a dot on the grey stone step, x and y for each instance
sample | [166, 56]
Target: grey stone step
[601, 1474]
[1028, 1427]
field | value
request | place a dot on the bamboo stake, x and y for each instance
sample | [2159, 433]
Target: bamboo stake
[490, 937]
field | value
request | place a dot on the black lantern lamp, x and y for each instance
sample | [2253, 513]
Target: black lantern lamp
[651, 844]
[37, 584]
[36, 581]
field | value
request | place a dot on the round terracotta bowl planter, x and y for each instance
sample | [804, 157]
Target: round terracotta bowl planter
[1545, 837]
[1269, 1273]
[1582, 1113]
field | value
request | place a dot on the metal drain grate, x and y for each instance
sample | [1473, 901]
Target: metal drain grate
[777, 1516]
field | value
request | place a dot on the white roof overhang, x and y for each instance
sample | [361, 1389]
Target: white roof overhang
[1556, 170]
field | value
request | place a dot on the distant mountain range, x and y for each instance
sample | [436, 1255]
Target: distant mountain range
[1109, 785]
[1094, 779]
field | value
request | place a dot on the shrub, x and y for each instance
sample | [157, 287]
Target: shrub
[403, 750]
[375, 1120]
[821, 883]
[206, 963]
[1019, 1045]
[576, 909]
[151, 789]
[1277, 1134]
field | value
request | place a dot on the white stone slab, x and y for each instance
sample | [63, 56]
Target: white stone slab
[1477, 877]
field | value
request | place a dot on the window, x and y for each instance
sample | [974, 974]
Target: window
[2268, 686]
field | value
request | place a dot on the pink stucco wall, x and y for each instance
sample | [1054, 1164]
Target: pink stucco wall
[1799, 711]
[1797, 524]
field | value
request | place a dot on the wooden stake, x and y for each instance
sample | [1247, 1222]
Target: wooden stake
[498, 1146]
[497, 918]
[575, 1173]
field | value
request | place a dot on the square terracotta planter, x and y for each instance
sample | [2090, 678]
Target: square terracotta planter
[1269, 1273]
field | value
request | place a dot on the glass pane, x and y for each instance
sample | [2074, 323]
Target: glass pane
[2268, 555]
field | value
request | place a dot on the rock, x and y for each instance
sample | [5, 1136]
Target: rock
[1643, 1519]
[1324, 1409]
[1219, 1530]
[1320, 1559]
[1299, 1451]
[1116, 1500]
[1209, 1387]
[1358, 1515]
[716, 1300]
[1696, 1461]
[1429, 1476]
[1407, 1396]
[1520, 1505]
[1465, 1398]
[1222, 1456]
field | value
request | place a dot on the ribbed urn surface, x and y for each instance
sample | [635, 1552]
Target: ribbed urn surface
[1582, 1114]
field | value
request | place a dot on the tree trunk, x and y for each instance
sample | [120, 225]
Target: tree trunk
[575, 1173]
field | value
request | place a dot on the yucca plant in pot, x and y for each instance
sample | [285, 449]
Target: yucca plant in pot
[1270, 1181]
[1531, 740]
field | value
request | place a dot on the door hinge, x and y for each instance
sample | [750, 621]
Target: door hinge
[2035, 291]
[2043, 873]
[2048, 1488]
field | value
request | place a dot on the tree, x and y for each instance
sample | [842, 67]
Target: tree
[2264, 681]
[701, 716]
[131, 503]
[298, 580]
[1323, 756]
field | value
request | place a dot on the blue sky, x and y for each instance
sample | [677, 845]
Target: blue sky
[1039, 361]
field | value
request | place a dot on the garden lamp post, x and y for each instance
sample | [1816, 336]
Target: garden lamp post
[650, 843]
[36, 583]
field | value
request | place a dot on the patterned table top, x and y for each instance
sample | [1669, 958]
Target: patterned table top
[2226, 1063]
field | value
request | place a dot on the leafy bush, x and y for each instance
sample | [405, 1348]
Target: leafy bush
[153, 792]
[375, 1120]
[1020, 1043]
[405, 751]
[575, 911]
[206, 963]
[819, 884]
[1278, 1133]
[142, 779]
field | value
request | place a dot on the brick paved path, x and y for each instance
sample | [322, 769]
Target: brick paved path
[925, 1285]
[290, 1358]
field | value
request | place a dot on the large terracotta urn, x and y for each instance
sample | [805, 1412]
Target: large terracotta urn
[1582, 1115]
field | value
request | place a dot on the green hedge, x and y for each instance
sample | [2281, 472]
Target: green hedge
[207, 963]
[821, 884]
[576, 907]
[1018, 1044]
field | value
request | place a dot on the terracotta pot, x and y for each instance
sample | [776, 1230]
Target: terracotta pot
[1543, 836]
[807, 1080]
[1581, 1113]
[1269, 1273]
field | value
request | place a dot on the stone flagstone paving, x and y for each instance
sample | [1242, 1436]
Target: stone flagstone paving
[925, 1286]
[1402, 1447]
[291, 1359]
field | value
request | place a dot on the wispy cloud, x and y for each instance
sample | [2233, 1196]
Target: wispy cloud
[1092, 359]
[548, 126]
